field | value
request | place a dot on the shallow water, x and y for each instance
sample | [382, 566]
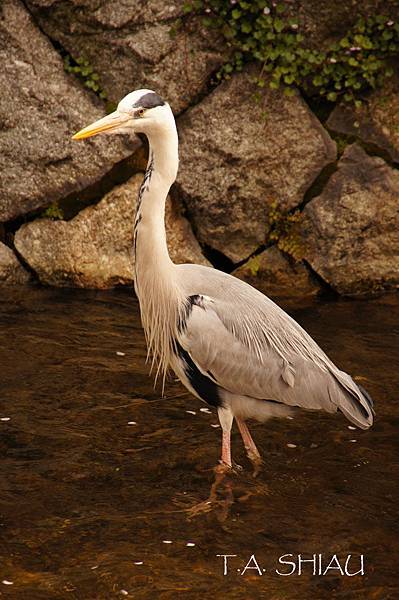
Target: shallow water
[87, 499]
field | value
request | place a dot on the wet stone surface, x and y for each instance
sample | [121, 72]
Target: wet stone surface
[87, 500]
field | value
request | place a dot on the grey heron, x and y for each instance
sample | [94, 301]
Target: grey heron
[230, 345]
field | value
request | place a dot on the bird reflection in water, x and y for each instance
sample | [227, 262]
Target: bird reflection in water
[228, 487]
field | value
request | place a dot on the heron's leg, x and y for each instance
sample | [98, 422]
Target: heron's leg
[222, 471]
[226, 420]
[252, 451]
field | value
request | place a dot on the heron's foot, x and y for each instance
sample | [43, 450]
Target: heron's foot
[224, 468]
[220, 497]
[257, 462]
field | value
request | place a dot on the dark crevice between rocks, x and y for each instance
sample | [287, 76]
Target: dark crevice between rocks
[120, 173]
[74, 203]
[372, 149]
[7, 238]
[3, 233]
[223, 263]
[320, 107]
[327, 292]
[255, 253]
[26, 265]
[209, 86]
[318, 184]
[342, 141]
[218, 259]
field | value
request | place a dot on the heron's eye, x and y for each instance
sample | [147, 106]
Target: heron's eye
[140, 112]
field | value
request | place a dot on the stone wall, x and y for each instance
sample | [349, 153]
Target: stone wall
[266, 189]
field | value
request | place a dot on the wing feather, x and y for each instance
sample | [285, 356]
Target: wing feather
[253, 348]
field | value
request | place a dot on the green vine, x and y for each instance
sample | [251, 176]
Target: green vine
[259, 30]
[253, 265]
[82, 69]
[54, 211]
[284, 231]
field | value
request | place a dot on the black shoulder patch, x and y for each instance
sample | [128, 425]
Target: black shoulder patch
[150, 100]
[185, 312]
[367, 397]
[205, 387]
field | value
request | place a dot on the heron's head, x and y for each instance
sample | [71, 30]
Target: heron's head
[142, 111]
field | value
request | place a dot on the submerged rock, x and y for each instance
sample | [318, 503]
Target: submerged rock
[278, 276]
[11, 270]
[40, 108]
[136, 44]
[375, 123]
[351, 230]
[94, 249]
[239, 155]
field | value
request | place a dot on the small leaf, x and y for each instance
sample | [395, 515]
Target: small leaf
[246, 27]
[289, 78]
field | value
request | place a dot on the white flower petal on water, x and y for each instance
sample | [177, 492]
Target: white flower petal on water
[7, 582]
[205, 410]
[120, 353]
[191, 412]
[291, 445]
[351, 427]
[190, 544]
[5, 419]
[138, 562]
[167, 542]
[215, 425]
[131, 423]
[353, 441]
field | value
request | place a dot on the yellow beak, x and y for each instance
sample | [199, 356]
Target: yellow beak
[112, 121]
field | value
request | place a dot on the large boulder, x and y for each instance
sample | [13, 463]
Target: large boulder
[376, 122]
[279, 276]
[40, 108]
[239, 155]
[94, 249]
[351, 230]
[11, 270]
[135, 45]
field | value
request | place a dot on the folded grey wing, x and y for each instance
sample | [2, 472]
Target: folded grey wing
[245, 358]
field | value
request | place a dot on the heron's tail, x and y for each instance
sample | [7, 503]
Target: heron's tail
[353, 401]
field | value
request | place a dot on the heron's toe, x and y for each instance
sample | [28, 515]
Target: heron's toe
[257, 463]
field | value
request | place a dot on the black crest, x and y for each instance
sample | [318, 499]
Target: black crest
[150, 100]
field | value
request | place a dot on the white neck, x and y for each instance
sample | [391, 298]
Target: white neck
[151, 251]
[155, 282]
